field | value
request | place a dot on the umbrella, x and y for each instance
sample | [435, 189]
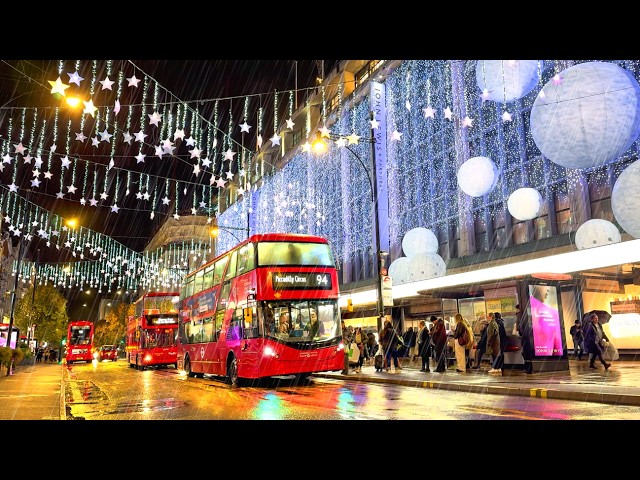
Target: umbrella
[603, 315]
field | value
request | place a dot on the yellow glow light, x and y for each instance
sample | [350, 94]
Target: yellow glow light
[72, 101]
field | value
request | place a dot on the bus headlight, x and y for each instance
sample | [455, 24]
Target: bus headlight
[269, 352]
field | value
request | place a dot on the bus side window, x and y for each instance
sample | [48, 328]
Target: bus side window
[235, 326]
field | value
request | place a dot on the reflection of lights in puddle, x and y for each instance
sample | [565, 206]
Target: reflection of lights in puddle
[269, 408]
[148, 406]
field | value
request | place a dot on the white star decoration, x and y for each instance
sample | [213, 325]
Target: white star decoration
[133, 81]
[290, 123]
[115, 208]
[467, 121]
[429, 112]
[395, 135]
[154, 118]
[448, 113]
[506, 116]
[58, 87]
[275, 140]
[75, 78]
[106, 83]
[244, 127]
[228, 155]
[89, 108]
[80, 136]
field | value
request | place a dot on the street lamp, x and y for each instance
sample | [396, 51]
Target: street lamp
[215, 231]
[319, 146]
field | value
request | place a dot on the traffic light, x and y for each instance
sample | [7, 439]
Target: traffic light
[349, 305]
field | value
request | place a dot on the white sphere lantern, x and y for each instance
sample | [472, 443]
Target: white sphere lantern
[477, 176]
[506, 80]
[587, 118]
[596, 233]
[399, 270]
[525, 203]
[426, 265]
[418, 240]
[625, 199]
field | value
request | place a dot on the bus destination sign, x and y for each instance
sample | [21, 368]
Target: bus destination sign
[301, 281]
[163, 320]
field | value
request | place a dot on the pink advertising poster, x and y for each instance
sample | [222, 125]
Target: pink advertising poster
[545, 319]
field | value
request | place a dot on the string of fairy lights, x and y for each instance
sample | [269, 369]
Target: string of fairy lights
[328, 195]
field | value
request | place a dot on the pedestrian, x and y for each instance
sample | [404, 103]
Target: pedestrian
[423, 343]
[372, 345]
[577, 334]
[526, 339]
[346, 341]
[360, 339]
[439, 342]
[498, 362]
[461, 331]
[389, 340]
[409, 338]
[593, 337]
[481, 347]
[493, 343]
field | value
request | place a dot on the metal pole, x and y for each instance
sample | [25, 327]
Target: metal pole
[16, 282]
[376, 227]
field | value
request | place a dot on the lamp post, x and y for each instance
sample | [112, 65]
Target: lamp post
[318, 146]
[215, 231]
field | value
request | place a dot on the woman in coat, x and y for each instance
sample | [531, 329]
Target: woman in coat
[439, 340]
[493, 343]
[462, 329]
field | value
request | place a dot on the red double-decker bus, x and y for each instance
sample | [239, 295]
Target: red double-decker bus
[79, 347]
[267, 307]
[151, 331]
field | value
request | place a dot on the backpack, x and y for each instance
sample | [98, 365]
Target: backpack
[464, 338]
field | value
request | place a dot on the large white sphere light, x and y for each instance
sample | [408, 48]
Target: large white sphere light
[426, 265]
[587, 118]
[525, 203]
[418, 240]
[625, 199]
[596, 233]
[399, 270]
[477, 176]
[506, 80]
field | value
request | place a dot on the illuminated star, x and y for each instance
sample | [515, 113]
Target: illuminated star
[60, 195]
[206, 162]
[159, 150]
[80, 136]
[75, 78]
[290, 123]
[139, 195]
[306, 147]
[196, 169]
[105, 136]
[65, 161]
[220, 182]
[353, 138]
[106, 83]
[146, 195]
[202, 205]
[93, 202]
[127, 137]
[83, 201]
[374, 124]
[48, 175]
[506, 116]
[178, 134]
[58, 87]
[140, 157]
[448, 113]
[244, 127]
[35, 182]
[176, 216]
[19, 148]
[167, 147]
[228, 155]
[27, 159]
[133, 81]
[71, 189]
[13, 187]
[395, 135]
[7, 159]
[38, 162]
[324, 132]
[194, 210]
[154, 118]
[341, 142]
[467, 122]
[165, 200]
[104, 196]
[89, 108]
[195, 152]
[229, 175]
[95, 141]
[484, 95]
[429, 112]
[192, 141]
[275, 140]
[53, 147]
[140, 136]
[240, 191]
[115, 208]
[242, 172]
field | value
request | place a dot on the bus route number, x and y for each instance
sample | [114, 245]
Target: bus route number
[296, 281]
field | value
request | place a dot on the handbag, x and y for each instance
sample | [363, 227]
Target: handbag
[464, 338]
[609, 352]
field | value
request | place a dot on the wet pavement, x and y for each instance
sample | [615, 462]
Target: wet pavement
[35, 392]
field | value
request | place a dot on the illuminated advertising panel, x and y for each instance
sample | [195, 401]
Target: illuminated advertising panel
[545, 320]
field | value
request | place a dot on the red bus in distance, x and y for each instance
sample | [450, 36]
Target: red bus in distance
[79, 347]
[151, 331]
[267, 307]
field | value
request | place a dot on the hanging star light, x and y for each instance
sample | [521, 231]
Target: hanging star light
[133, 81]
[429, 112]
[353, 138]
[244, 127]
[275, 140]
[75, 78]
[58, 87]
[89, 108]
[106, 83]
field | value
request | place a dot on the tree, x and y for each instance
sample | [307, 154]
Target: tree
[114, 328]
[47, 308]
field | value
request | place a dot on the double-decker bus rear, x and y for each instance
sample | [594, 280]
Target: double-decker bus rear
[271, 311]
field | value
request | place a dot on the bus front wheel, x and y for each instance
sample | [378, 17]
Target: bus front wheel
[187, 367]
[232, 372]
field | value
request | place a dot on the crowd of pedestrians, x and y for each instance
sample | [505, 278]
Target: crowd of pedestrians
[46, 355]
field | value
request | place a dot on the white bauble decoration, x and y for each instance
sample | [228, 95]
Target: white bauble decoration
[506, 80]
[625, 199]
[524, 203]
[588, 119]
[418, 240]
[399, 270]
[596, 233]
[477, 176]
[426, 265]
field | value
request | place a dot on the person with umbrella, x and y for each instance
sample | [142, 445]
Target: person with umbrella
[593, 337]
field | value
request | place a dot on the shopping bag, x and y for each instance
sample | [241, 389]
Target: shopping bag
[610, 352]
[354, 353]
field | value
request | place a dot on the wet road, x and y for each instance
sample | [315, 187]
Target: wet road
[112, 391]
